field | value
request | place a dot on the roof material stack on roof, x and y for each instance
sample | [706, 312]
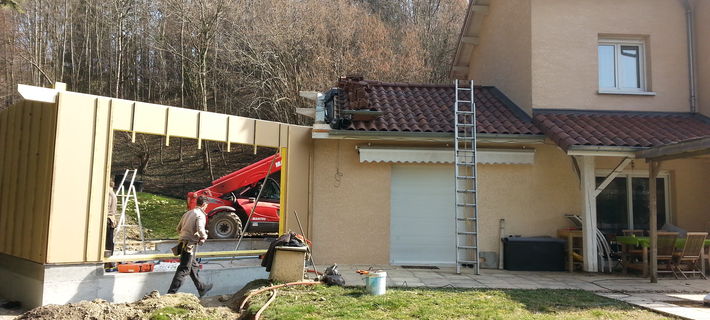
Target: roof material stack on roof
[619, 129]
[357, 92]
[426, 108]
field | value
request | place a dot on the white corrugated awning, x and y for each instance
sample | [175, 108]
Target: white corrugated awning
[443, 155]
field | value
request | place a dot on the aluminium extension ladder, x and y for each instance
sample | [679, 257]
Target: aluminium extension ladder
[466, 179]
[126, 195]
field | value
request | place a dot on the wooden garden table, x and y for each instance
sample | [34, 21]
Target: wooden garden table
[645, 243]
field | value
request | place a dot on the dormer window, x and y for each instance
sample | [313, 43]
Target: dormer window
[622, 66]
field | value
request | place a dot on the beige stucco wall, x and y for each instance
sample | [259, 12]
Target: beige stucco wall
[690, 181]
[351, 219]
[702, 38]
[531, 198]
[564, 53]
[351, 212]
[503, 57]
[543, 54]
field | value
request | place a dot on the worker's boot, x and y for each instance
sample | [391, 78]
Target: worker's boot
[204, 291]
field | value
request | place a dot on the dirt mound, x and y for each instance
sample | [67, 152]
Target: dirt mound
[152, 306]
[236, 299]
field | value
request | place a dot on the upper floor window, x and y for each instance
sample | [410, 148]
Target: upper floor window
[622, 66]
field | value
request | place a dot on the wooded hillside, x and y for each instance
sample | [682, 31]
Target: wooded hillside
[243, 57]
[240, 57]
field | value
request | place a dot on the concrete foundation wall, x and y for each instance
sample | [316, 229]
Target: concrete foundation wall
[21, 280]
[72, 283]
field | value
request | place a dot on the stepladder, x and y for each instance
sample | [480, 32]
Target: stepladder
[465, 177]
[127, 196]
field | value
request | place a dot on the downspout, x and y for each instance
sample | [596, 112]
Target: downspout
[691, 56]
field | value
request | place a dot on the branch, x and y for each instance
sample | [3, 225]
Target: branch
[34, 64]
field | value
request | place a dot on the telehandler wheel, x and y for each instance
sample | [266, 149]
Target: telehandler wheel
[224, 225]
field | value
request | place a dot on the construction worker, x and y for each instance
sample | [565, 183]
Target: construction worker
[111, 222]
[192, 232]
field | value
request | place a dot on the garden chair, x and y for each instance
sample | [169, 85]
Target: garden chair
[690, 255]
[666, 248]
[633, 254]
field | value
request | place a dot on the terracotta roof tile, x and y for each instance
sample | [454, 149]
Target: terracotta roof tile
[410, 107]
[626, 129]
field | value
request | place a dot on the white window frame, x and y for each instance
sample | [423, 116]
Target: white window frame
[643, 75]
[628, 174]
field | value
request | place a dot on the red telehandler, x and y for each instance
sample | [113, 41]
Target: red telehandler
[232, 197]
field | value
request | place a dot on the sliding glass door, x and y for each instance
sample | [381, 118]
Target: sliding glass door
[624, 204]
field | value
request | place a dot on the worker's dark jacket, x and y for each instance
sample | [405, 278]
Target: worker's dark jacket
[286, 240]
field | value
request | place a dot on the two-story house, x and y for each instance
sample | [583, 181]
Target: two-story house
[569, 93]
[603, 79]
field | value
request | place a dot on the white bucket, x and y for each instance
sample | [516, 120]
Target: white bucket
[376, 283]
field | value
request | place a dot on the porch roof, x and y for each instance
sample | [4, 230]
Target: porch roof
[682, 149]
[575, 128]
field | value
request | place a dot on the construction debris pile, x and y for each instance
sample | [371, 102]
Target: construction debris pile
[171, 306]
[152, 306]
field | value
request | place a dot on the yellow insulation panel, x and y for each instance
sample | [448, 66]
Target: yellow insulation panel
[27, 141]
[182, 123]
[149, 118]
[213, 126]
[267, 133]
[71, 192]
[241, 130]
[122, 114]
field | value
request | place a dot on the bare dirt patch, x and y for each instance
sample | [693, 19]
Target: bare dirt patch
[152, 306]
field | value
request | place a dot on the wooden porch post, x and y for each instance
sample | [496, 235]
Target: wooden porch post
[589, 210]
[653, 167]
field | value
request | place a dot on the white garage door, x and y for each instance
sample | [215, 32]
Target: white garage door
[422, 223]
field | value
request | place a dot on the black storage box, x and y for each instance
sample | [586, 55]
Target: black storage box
[533, 254]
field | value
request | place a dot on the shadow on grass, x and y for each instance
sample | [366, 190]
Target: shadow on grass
[532, 300]
[355, 294]
[547, 300]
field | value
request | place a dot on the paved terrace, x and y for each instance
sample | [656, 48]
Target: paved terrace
[681, 298]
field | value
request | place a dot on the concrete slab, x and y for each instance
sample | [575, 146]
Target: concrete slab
[686, 306]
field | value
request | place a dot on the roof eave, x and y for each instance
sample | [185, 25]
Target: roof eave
[603, 151]
[445, 137]
[468, 38]
[682, 149]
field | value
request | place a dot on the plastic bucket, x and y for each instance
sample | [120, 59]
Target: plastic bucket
[376, 283]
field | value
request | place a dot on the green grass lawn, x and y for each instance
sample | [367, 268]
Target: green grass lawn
[159, 214]
[424, 303]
